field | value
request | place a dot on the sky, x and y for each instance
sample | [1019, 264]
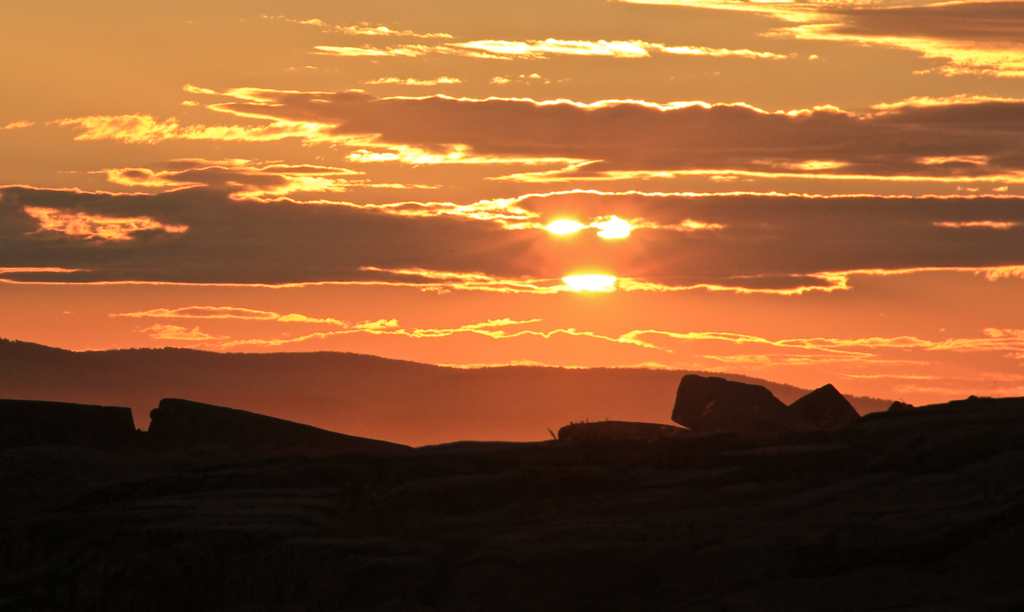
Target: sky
[807, 192]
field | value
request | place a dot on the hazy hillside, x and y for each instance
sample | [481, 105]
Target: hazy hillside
[362, 395]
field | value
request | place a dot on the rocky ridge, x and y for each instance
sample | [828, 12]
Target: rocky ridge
[914, 509]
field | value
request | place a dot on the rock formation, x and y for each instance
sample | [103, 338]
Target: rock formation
[37, 423]
[826, 408]
[179, 423]
[898, 406]
[618, 430]
[716, 405]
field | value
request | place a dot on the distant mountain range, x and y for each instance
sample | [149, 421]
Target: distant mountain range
[361, 395]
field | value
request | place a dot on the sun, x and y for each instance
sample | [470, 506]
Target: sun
[613, 228]
[563, 227]
[590, 282]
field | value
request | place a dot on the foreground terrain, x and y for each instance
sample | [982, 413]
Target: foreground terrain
[919, 509]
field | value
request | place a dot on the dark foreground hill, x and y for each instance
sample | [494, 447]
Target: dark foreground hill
[913, 510]
[402, 401]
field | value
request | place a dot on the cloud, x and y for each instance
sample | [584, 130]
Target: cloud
[18, 125]
[361, 29]
[24, 270]
[746, 243]
[244, 240]
[543, 49]
[228, 312]
[145, 129]
[1000, 225]
[756, 350]
[414, 82]
[970, 37]
[177, 333]
[492, 328]
[202, 312]
[86, 226]
[952, 140]
[245, 178]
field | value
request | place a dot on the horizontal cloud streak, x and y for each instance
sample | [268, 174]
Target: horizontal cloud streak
[247, 179]
[971, 37]
[955, 139]
[744, 243]
[86, 226]
[414, 82]
[722, 346]
[542, 49]
[362, 29]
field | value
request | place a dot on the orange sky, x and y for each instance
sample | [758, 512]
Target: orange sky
[805, 192]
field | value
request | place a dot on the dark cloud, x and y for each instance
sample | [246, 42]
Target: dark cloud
[242, 241]
[239, 176]
[989, 22]
[765, 236]
[761, 242]
[941, 140]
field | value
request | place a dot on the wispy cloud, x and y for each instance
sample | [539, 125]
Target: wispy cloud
[18, 125]
[28, 270]
[999, 225]
[979, 38]
[492, 328]
[543, 49]
[202, 312]
[177, 333]
[86, 226]
[146, 129]
[361, 29]
[246, 178]
[718, 346]
[953, 140]
[413, 82]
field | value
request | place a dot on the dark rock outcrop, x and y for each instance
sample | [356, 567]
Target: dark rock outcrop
[716, 405]
[826, 408]
[618, 430]
[179, 423]
[898, 406]
[36, 423]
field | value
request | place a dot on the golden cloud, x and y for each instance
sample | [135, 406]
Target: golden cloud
[542, 49]
[361, 29]
[202, 312]
[88, 226]
[770, 352]
[244, 178]
[180, 334]
[414, 82]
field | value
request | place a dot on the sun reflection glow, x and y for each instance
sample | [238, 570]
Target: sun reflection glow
[590, 282]
[613, 228]
[564, 226]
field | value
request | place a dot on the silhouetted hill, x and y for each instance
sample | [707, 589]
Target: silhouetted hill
[361, 395]
[918, 510]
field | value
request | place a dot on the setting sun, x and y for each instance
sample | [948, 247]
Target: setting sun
[613, 228]
[590, 282]
[563, 227]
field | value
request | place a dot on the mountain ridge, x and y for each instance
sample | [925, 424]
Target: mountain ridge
[365, 395]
